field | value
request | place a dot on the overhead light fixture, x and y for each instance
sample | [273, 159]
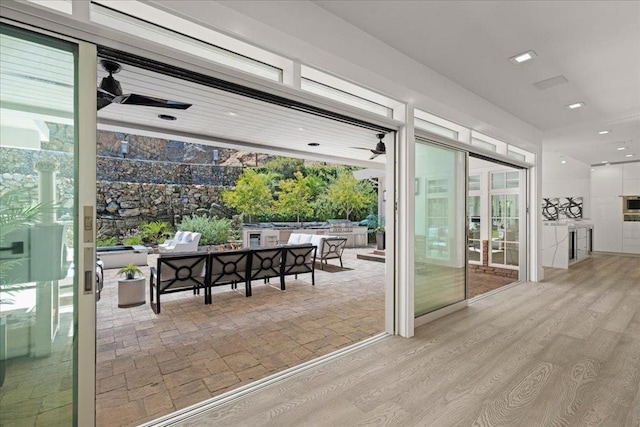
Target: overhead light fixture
[523, 57]
[576, 105]
[622, 148]
[604, 132]
[563, 162]
[232, 114]
[604, 162]
[629, 155]
[300, 128]
[313, 144]
[167, 117]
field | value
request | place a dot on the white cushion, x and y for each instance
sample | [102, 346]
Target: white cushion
[294, 239]
[178, 236]
[187, 238]
[305, 238]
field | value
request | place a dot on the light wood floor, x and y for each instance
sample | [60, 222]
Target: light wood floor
[563, 352]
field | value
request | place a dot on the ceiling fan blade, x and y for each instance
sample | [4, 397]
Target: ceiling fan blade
[374, 155]
[104, 98]
[148, 101]
[360, 148]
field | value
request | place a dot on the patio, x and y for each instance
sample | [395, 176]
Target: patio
[150, 365]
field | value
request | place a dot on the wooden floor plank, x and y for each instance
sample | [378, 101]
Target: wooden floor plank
[562, 352]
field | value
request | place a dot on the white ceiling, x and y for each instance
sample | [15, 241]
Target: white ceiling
[594, 44]
[256, 125]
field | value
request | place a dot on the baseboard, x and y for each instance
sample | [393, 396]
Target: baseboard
[615, 253]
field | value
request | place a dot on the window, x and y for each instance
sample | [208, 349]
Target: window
[193, 42]
[434, 128]
[344, 97]
[488, 143]
[483, 144]
[505, 219]
[337, 89]
[63, 6]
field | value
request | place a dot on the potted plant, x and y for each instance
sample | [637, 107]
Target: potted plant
[129, 271]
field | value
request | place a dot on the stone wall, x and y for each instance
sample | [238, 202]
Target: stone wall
[123, 205]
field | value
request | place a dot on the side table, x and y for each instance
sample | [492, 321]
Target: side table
[131, 292]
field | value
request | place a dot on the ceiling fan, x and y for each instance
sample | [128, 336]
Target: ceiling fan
[380, 147]
[110, 92]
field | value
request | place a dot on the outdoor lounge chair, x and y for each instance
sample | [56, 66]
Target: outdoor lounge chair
[298, 259]
[188, 243]
[329, 247]
[229, 268]
[177, 273]
[266, 263]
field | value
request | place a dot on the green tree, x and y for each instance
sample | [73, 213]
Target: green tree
[294, 197]
[252, 195]
[349, 195]
[286, 167]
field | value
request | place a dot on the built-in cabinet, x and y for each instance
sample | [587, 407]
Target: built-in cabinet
[566, 243]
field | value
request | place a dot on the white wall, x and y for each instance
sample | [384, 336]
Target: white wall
[608, 183]
[572, 179]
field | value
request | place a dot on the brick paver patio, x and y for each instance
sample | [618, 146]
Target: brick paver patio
[150, 365]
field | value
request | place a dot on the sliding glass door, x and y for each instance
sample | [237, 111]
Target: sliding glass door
[41, 254]
[440, 227]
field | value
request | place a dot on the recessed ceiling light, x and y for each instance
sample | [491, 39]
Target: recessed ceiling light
[167, 117]
[622, 148]
[313, 144]
[523, 57]
[604, 162]
[592, 169]
[604, 132]
[563, 162]
[232, 114]
[575, 105]
[629, 155]
[300, 128]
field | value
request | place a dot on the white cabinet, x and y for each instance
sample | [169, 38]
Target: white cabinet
[631, 237]
[565, 244]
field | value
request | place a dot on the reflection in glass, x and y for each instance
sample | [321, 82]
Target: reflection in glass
[36, 223]
[440, 254]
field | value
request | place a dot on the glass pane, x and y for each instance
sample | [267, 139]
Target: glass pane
[434, 128]
[344, 97]
[474, 182]
[497, 180]
[37, 170]
[483, 144]
[440, 260]
[157, 34]
[512, 254]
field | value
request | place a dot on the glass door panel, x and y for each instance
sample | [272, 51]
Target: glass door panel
[440, 248]
[37, 229]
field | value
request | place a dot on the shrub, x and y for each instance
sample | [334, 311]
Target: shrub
[155, 231]
[133, 240]
[111, 241]
[214, 230]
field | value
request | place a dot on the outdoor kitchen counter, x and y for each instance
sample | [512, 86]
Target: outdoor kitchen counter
[266, 236]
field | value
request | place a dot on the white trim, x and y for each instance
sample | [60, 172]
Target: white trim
[444, 311]
[179, 417]
[405, 227]
[87, 57]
